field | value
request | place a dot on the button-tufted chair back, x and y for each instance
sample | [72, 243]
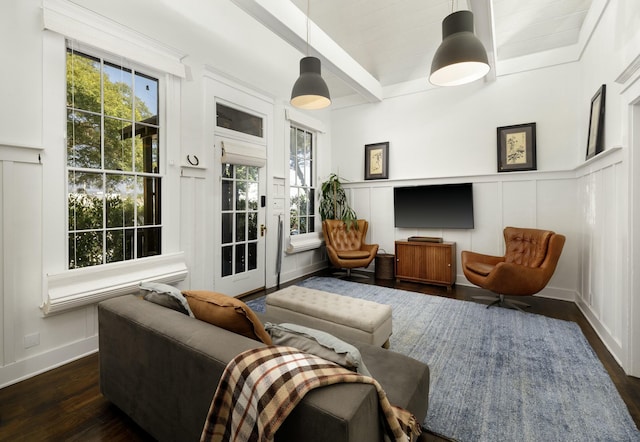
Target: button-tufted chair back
[526, 247]
[344, 239]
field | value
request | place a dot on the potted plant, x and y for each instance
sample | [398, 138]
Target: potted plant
[334, 204]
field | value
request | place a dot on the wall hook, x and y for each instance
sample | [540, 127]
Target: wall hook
[193, 163]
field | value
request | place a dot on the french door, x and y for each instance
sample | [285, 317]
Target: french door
[240, 243]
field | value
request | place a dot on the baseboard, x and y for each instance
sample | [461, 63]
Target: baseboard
[602, 331]
[548, 292]
[24, 369]
[558, 293]
[301, 272]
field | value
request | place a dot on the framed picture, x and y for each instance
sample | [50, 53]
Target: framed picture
[595, 143]
[517, 147]
[376, 161]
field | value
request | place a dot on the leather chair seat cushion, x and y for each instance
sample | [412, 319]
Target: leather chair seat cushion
[480, 267]
[353, 254]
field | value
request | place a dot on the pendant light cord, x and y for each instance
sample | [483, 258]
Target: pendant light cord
[308, 9]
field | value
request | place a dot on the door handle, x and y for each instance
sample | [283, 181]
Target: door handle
[263, 229]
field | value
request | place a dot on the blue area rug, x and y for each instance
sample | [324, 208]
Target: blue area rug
[499, 374]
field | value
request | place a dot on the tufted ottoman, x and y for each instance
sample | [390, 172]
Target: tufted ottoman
[345, 317]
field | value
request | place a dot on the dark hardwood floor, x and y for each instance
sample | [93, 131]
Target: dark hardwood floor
[66, 404]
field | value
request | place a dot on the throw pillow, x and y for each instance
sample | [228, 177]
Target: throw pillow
[318, 343]
[226, 312]
[165, 295]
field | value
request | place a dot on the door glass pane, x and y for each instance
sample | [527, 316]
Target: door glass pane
[240, 226]
[252, 196]
[241, 195]
[253, 226]
[227, 257]
[240, 258]
[253, 255]
[227, 228]
[227, 195]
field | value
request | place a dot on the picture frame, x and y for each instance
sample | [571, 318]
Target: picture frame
[376, 161]
[595, 140]
[517, 147]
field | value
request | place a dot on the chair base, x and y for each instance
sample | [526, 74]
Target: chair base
[501, 301]
[348, 274]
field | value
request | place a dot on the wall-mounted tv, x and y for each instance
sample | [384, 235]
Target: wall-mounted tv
[440, 206]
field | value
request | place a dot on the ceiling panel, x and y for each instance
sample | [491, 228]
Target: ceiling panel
[394, 40]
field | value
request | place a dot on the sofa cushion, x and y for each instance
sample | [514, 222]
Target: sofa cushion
[318, 343]
[165, 295]
[226, 312]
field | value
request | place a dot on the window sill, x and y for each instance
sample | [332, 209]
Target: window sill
[80, 287]
[302, 243]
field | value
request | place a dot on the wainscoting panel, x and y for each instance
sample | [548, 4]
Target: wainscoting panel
[519, 206]
[603, 246]
[532, 199]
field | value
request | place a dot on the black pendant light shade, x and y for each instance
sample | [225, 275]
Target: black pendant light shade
[461, 57]
[310, 91]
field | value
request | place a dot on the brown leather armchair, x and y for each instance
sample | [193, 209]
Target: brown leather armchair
[529, 262]
[346, 247]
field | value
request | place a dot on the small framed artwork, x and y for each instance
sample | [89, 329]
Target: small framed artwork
[595, 143]
[376, 161]
[517, 147]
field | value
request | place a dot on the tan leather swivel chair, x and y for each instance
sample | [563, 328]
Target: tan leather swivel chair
[346, 247]
[529, 262]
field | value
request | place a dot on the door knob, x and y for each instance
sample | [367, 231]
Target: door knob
[263, 229]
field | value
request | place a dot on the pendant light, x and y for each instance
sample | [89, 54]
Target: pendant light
[461, 57]
[310, 91]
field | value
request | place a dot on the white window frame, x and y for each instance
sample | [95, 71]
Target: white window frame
[306, 241]
[65, 289]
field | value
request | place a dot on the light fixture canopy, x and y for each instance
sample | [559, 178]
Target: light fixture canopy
[461, 57]
[310, 91]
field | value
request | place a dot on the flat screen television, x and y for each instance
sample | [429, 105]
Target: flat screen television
[440, 206]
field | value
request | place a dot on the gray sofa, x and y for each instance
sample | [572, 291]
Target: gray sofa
[162, 368]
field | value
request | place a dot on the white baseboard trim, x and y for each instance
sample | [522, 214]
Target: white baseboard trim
[602, 331]
[300, 272]
[40, 363]
[548, 292]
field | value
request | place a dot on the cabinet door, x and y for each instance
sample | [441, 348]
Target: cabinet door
[405, 261]
[437, 259]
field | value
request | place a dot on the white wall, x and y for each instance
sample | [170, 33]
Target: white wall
[225, 39]
[449, 135]
[452, 131]
[440, 135]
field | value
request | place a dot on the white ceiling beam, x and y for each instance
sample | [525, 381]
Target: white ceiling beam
[284, 19]
[485, 31]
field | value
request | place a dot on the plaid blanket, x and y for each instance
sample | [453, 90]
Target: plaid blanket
[260, 387]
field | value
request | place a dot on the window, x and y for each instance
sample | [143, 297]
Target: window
[301, 190]
[113, 162]
[239, 121]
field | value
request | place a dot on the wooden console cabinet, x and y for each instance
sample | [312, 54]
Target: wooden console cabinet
[428, 262]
